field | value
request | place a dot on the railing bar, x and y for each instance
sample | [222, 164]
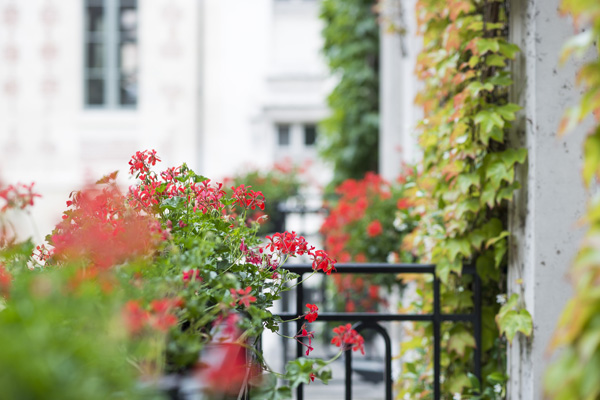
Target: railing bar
[299, 349]
[367, 317]
[375, 268]
[436, 338]
[348, 380]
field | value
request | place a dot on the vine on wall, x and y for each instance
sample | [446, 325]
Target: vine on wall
[575, 374]
[351, 46]
[467, 180]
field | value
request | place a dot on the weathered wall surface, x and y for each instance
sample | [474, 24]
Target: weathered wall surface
[545, 214]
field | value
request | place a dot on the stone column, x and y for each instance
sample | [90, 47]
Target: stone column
[544, 217]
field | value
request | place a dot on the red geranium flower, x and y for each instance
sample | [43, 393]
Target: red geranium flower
[374, 228]
[311, 315]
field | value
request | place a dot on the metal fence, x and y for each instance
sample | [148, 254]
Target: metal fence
[365, 321]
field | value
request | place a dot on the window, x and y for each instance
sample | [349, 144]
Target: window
[111, 61]
[283, 135]
[310, 135]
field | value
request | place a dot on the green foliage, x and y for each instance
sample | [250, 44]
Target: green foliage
[575, 374]
[350, 135]
[66, 342]
[468, 173]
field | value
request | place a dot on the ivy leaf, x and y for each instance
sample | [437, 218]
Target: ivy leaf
[486, 268]
[487, 120]
[508, 50]
[508, 111]
[267, 389]
[511, 319]
[493, 240]
[495, 60]
[499, 251]
[485, 45]
[512, 156]
[444, 267]
[465, 181]
[507, 192]
[459, 340]
[502, 78]
[458, 246]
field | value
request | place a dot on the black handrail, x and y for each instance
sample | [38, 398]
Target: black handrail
[370, 320]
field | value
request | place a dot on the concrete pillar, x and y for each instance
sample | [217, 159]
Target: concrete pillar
[545, 213]
[400, 46]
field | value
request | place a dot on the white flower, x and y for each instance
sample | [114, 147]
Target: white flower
[456, 396]
[497, 388]
[501, 299]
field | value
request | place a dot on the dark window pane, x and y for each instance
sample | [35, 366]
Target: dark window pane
[95, 19]
[283, 135]
[128, 90]
[94, 3]
[310, 135]
[95, 92]
[128, 3]
[95, 55]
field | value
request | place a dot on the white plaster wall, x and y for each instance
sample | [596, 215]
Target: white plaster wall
[398, 115]
[46, 133]
[545, 214]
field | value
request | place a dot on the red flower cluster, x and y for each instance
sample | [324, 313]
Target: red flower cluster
[291, 244]
[248, 198]
[355, 197]
[99, 229]
[17, 196]
[139, 163]
[5, 281]
[347, 338]
[242, 297]
[160, 316]
[312, 314]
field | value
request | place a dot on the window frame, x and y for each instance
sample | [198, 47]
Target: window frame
[110, 37]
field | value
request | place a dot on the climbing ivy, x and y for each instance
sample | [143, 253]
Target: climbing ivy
[351, 46]
[575, 374]
[467, 181]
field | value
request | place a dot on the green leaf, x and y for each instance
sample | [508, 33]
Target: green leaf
[444, 267]
[508, 50]
[485, 45]
[495, 60]
[459, 340]
[487, 120]
[511, 319]
[507, 192]
[458, 246]
[508, 111]
[486, 267]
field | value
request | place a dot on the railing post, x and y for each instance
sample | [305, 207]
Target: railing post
[436, 337]
[299, 349]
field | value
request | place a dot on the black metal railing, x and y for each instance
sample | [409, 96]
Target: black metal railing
[371, 321]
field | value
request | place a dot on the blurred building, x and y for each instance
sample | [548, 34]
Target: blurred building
[219, 84]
